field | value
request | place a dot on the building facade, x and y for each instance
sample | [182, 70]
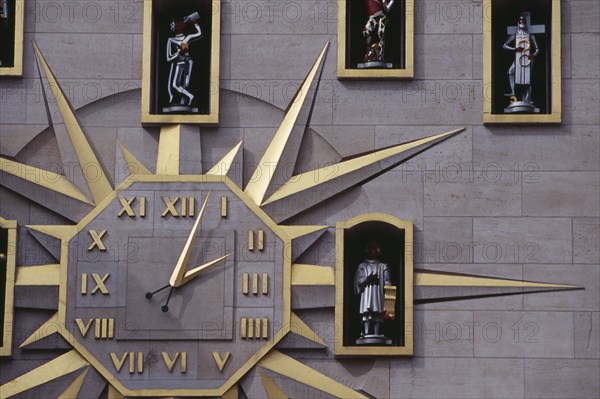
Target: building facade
[289, 160]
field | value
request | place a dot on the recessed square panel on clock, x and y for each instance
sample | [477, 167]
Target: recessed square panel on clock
[522, 72]
[375, 39]
[11, 37]
[374, 286]
[180, 81]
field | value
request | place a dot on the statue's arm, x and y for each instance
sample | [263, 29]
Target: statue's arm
[507, 43]
[170, 54]
[194, 36]
[387, 4]
[535, 49]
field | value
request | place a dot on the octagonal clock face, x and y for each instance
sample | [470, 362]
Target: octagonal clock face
[175, 284]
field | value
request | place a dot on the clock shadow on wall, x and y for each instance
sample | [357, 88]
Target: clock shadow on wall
[392, 240]
[164, 12]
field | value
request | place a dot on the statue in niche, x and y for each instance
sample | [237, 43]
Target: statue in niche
[374, 33]
[4, 15]
[377, 296]
[525, 48]
[178, 55]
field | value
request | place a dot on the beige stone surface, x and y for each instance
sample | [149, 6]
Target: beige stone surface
[561, 378]
[456, 378]
[586, 276]
[472, 194]
[446, 240]
[562, 194]
[587, 334]
[585, 64]
[436, 57]
[522, 240]
[586, 240]
[524, 334]
[573, 148]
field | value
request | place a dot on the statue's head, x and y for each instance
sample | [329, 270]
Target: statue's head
[522, 22]
[177, 27]
[373, 250]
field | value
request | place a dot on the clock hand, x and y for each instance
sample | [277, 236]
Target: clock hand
[195, 272]
[179, 272]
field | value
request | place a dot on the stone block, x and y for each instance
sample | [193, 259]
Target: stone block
[477, 56]
[455, 102]
[562, 378]
[448, 17]
[436, 56]
[586, 276]
[586, 240]
[524, 334]
[137, 57]
[582, 16]
[565, 48]
[443, 333]
[88, 16]
[240, 111]
[225, 61]
[472, 194]
[103, 56]
[538, 148]
[562, 194]
[585, 63]
[579, 102]
[522, 240]
[456, 378]
[446, 240]
[268, 18]
[287, 56]
[587, 334]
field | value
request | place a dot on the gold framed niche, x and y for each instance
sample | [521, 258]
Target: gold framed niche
[499, 18]
[396, 239]
[11, 38]
[352, 17]
[205, 54]
[8, 251]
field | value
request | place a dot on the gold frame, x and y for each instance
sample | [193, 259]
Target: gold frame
[17, 69]
[405, 73]
[552, 118]
[407, 349]
[212, 118]
[71, 231]
[7, 328]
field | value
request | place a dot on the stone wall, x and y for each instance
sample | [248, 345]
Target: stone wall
[517, 202]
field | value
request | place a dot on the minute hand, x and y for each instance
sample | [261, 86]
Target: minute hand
[178, 274]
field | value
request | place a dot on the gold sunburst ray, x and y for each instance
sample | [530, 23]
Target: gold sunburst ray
[288, 367]
[72, 391]
[285, 145]
[49, 371]
[71, 136]
[134, 165]
[318, 185]
[271, 389]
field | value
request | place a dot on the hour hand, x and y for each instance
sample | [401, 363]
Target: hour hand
[195, 272]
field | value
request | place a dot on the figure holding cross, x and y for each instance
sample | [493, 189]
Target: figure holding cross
[522, 41]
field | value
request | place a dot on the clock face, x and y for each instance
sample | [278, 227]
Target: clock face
[136, 325]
